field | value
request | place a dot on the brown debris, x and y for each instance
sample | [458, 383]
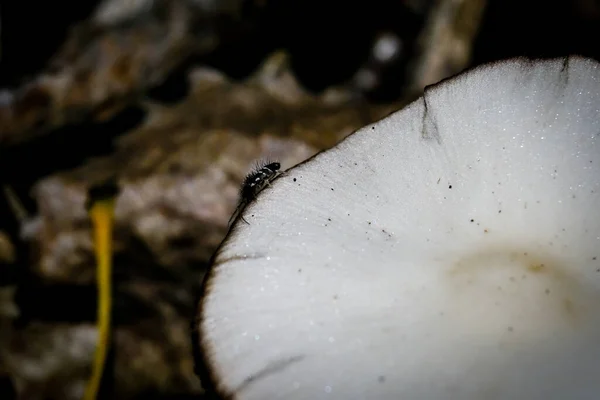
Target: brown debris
[100, 68]
[446, 41]
[7, 250]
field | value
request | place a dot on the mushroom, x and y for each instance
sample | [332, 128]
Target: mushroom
[448, 251]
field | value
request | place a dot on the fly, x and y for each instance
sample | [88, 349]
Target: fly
[253, 184]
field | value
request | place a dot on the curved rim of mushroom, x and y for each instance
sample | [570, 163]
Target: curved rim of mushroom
[202, 352]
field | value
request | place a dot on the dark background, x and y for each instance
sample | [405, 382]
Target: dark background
[336, 32]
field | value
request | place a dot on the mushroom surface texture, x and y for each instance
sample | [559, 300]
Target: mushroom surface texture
[449, 251]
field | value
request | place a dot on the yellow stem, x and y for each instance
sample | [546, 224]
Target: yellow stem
[101, 213]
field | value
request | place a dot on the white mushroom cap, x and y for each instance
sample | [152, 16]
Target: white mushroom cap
[449, 251]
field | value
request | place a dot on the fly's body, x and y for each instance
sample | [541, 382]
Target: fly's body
[256, 181]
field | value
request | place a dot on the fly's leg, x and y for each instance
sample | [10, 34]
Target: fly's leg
[236, 213]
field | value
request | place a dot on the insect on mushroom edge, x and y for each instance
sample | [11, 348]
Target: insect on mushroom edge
[254, 182]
